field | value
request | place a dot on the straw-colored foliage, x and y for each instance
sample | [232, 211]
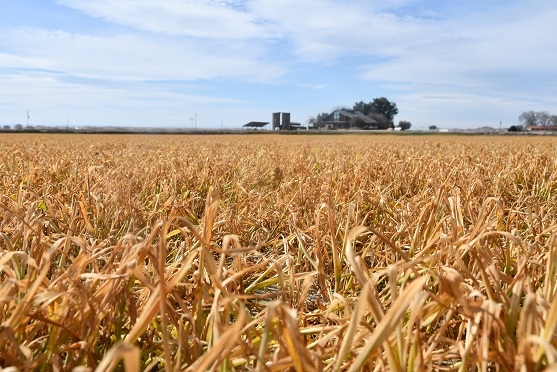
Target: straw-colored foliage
[275, 253]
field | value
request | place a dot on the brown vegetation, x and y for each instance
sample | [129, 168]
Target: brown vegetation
[278, 252]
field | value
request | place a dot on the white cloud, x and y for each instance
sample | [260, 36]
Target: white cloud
[317, 29]
[134, 57]
[320, 30]
[509, 40]
[196, 18]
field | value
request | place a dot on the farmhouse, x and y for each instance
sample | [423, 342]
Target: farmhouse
[346, 119]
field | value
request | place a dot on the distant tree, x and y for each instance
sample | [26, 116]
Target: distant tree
[433, 127]
[536, 118]
[364, 108]
[528, 118]
[18, 127]
[7, 127]
[544, 118]
[404, 125]
[515, 128]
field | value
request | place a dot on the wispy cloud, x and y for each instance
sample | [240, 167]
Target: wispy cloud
[130, 56]
[196, 18]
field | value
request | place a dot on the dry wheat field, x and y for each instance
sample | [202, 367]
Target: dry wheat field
[278, 253]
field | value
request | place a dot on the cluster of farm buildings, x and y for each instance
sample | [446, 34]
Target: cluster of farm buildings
[338, 119]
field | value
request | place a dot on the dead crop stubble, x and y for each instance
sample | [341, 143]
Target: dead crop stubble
[274, 253]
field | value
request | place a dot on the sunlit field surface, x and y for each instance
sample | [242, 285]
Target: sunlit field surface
[277, 252]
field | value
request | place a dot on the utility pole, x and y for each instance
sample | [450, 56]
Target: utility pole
[27, 119]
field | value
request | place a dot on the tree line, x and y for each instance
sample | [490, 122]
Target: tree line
[534, 119]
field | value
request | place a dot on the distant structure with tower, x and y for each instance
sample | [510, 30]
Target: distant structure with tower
[279, 120]
[285, 124]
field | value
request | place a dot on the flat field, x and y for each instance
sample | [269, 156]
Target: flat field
[278, 252]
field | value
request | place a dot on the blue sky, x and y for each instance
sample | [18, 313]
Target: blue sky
[454, 64]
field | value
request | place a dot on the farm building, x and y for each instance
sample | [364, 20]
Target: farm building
[256, 124]
[297, 126]
[538, 128]
[346, 119]
[284, 124]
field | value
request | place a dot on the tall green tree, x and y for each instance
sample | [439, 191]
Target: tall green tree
[364, 108]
